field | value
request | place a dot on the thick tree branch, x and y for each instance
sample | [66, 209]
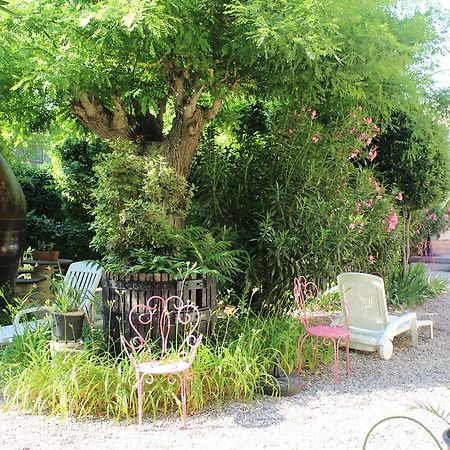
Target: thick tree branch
[212, 112]
[178, 90]
[190, 107]
[161, 110]
[119, 119]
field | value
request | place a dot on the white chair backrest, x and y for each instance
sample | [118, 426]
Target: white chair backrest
[365, 299]
[84, 276]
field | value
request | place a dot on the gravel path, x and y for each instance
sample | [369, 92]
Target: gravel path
[322, 416]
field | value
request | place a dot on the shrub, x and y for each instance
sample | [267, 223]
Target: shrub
[301, 199]
[414, 286]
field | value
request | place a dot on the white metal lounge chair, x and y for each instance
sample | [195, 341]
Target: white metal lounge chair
[84, 276]
[371, 328]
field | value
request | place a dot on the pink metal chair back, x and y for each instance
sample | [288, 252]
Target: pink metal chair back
[163, 341]
[319, 323]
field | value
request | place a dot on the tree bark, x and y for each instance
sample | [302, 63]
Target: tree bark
[406, 244]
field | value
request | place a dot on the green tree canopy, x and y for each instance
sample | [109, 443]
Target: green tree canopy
[155, 72]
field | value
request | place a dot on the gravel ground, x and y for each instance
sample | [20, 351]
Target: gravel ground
[323, 415]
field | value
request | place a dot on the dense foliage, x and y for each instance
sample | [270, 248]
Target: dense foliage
[300, 198]
[51, 220]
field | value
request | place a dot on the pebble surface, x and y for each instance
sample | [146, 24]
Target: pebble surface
[323, 415]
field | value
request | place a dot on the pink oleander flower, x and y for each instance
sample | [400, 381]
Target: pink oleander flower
[290, 130]
[362, 137]
[399, 197]
[359, 108]
[358, 206]
[369, 141]
[352, 130]
[303, 109]
[369, 203]
[379, 196]
[371, 258]
[313, 114]
[393, 221]
[355, 153]
[352, 226]
[446, 217]
[376, 127]
[368, 120]
[372, 155]
[316, 138]
[434, 217]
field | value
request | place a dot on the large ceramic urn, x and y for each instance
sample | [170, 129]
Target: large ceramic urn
[13, 212]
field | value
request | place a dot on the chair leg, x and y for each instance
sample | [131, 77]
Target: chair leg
[183, 399]
[336, 360]
[347, 356]
[414, 337]
[299, 353]
[140, 389]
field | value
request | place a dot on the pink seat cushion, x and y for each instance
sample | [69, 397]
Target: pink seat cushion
[162, 367]
[326, 331]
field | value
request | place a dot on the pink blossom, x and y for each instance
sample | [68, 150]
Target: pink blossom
[303, 109]
[376, 127]
[379, 196]
[355, 153]
[362, 137]
[371, 258]
[352, 226]
[434, 217]
[393, 221]
[313, 113]
[359, 108]
[315, 138]
[399, 197]
[358, 206]
[369, 203]
[372, 155]
[290, 130]
[446, 216]
[448, 210]
[352, 130]
[368, 120]
[369, 141]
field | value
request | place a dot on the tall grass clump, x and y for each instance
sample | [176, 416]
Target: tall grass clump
[414, 286]
[232, 364]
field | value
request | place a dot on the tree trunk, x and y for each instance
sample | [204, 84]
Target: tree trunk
[406, 244]
[182, 142]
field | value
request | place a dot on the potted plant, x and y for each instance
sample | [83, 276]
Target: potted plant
[68, 313]
[46, 252]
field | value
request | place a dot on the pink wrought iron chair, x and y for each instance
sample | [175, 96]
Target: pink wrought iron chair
[319, 324]
[164, 322]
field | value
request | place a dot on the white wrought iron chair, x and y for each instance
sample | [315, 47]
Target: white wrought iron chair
[371, 327]
[84, 276]
[166, 322]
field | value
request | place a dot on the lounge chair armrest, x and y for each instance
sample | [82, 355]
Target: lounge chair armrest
[395, 324]
[21, 313]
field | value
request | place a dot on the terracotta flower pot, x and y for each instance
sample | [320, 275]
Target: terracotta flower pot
[46, 255]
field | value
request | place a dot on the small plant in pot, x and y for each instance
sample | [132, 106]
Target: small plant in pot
[68, 314]
[46, 252]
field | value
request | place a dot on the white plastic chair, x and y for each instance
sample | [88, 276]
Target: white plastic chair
[371, 327]
[84, 276]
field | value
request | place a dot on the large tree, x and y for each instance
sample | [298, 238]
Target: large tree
[154, 72]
